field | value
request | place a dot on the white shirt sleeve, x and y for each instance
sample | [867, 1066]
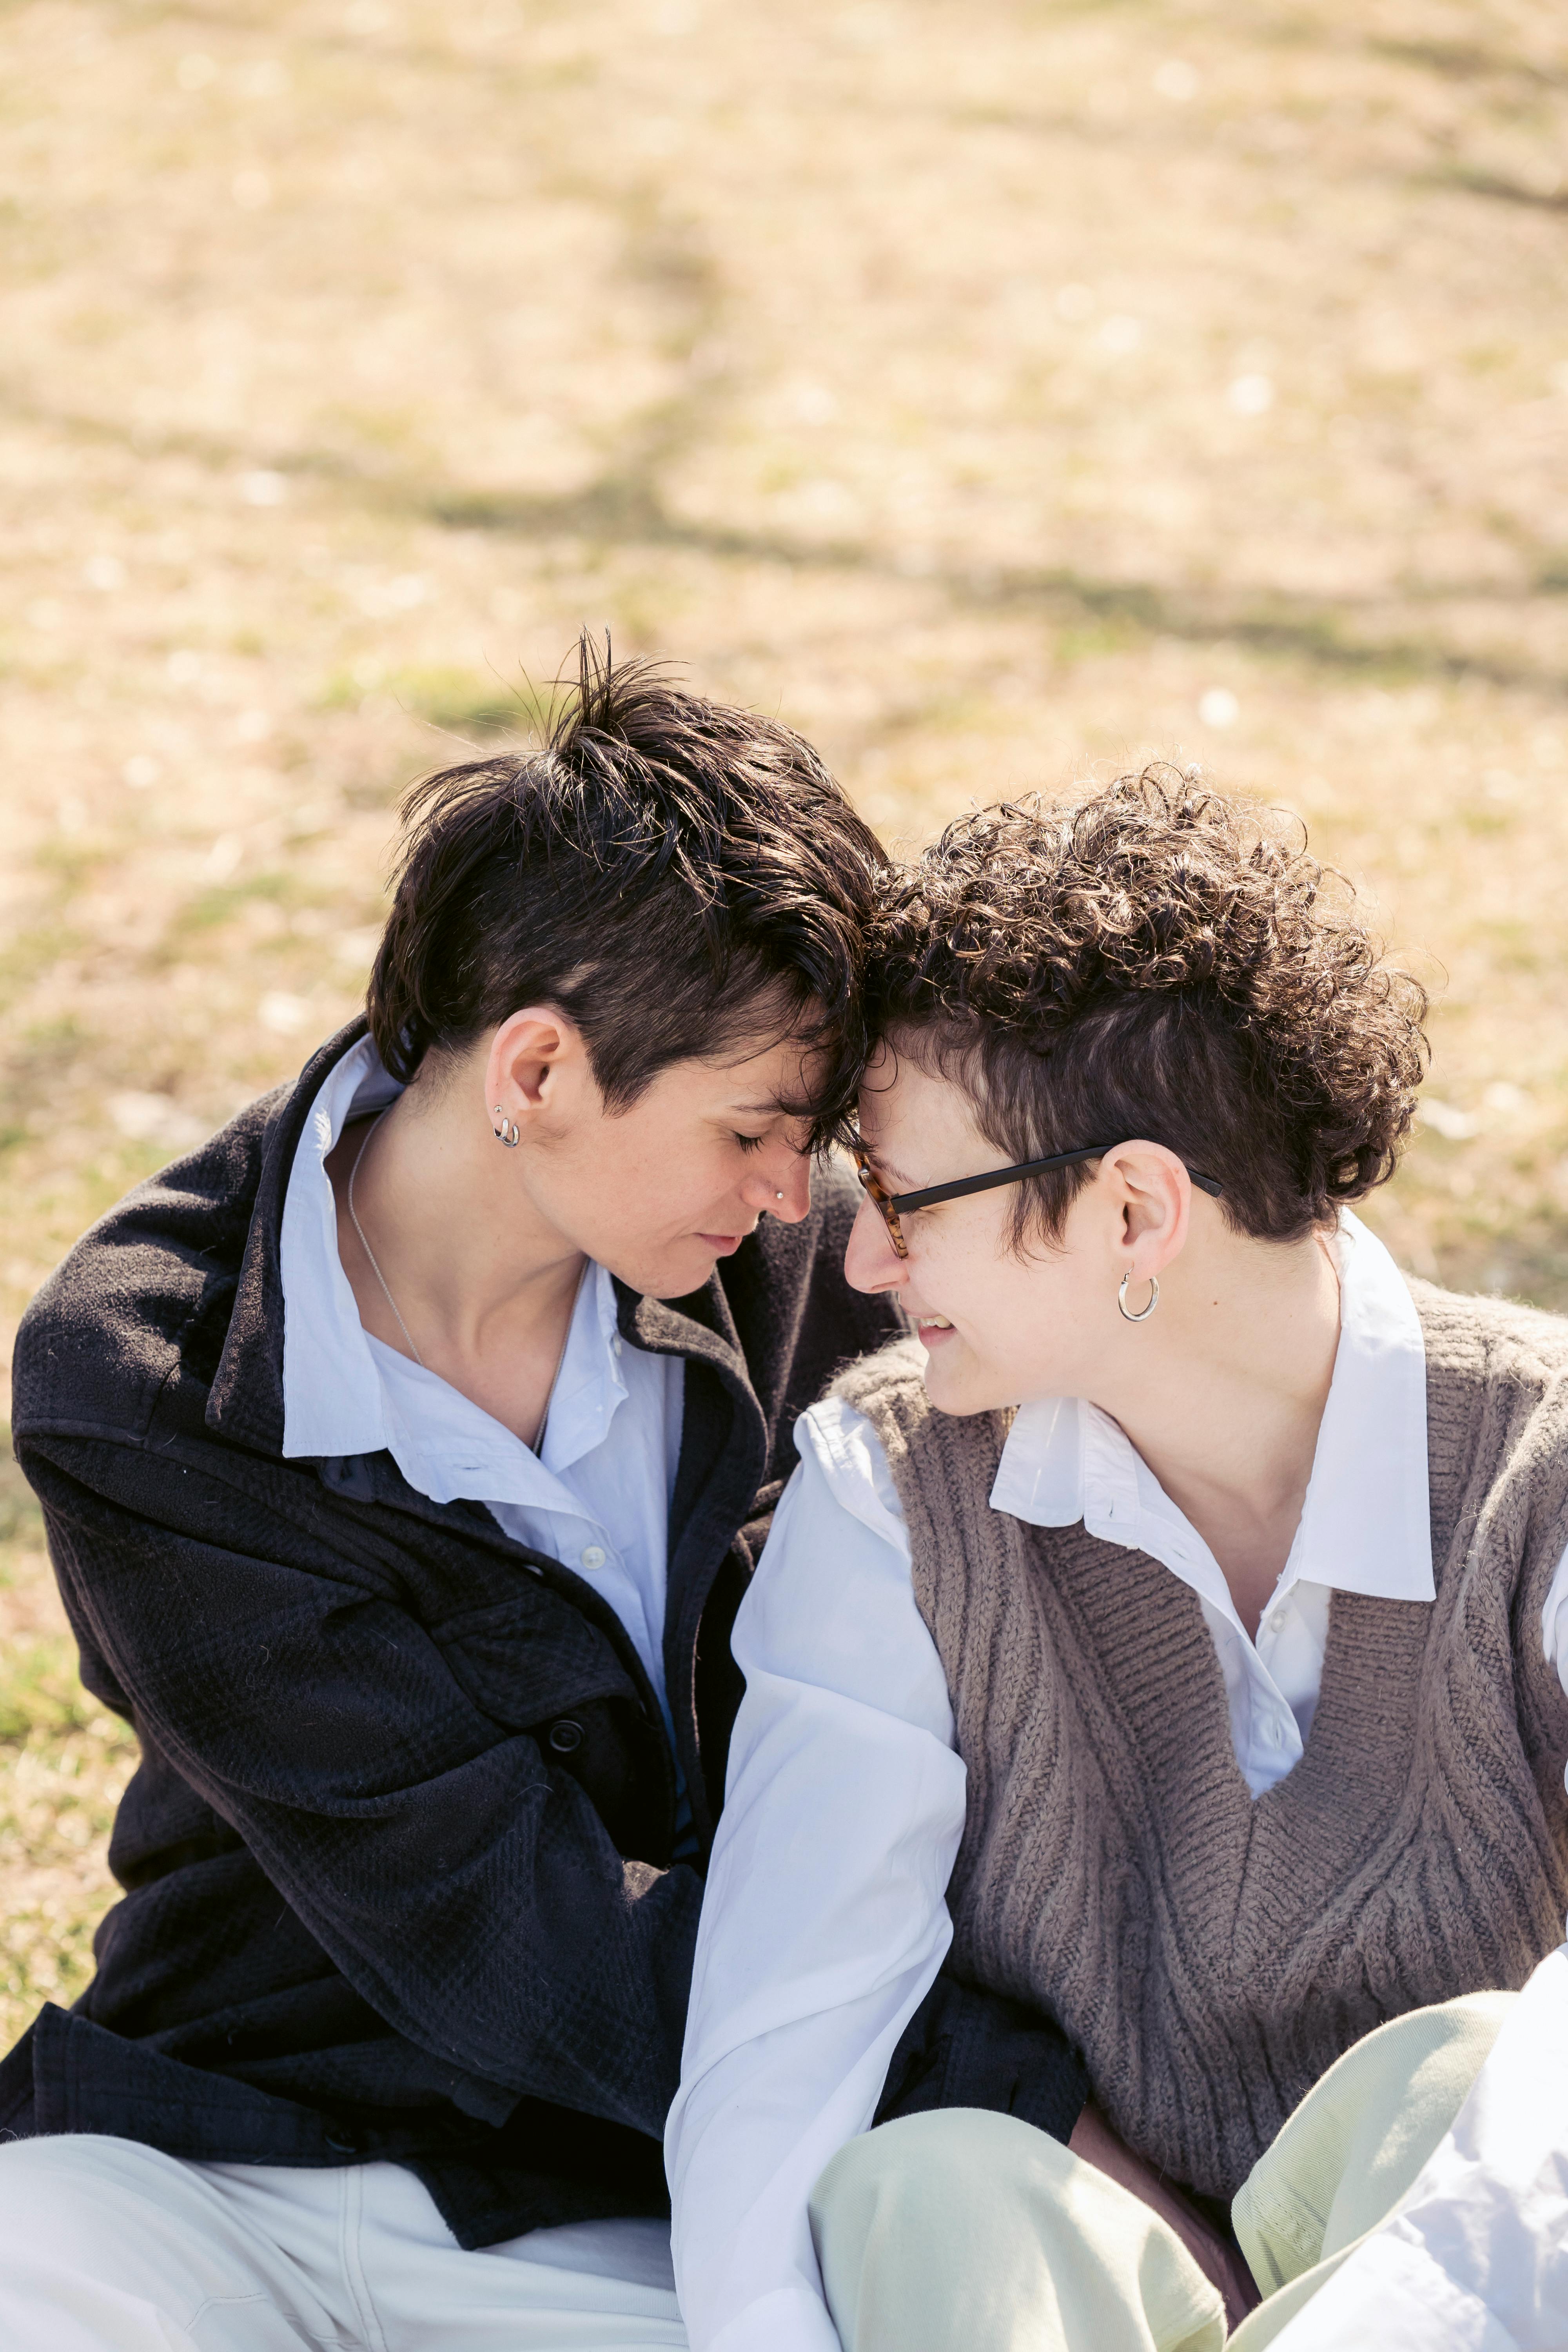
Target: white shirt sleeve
[825, 1920]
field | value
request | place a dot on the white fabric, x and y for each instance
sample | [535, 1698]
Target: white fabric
[825, 1893]
[825, 1920]
[108, 2246]
[1476, 2259]
[598, 1500]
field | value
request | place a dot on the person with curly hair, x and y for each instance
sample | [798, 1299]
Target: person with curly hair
[1171, 1638]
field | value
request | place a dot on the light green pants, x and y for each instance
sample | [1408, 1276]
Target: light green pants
[967, 2231]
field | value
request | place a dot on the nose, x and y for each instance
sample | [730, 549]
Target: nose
[870, 1260]
[783, 1189]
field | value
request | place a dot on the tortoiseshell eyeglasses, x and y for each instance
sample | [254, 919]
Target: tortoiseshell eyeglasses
[892, 1204]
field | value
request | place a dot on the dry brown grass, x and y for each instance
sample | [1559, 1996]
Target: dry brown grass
[981, 387]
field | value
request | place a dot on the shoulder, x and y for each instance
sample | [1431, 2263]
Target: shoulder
[98, 1340]
[889, 1388]
[149, 1290]
[942, 1464]
[1487, 1357]
[1497, 1408]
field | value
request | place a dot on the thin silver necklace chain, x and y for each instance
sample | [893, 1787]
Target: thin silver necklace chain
[386, 1290]
[385, 1286]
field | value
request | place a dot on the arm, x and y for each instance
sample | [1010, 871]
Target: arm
[466, 1888]
[825, 1920]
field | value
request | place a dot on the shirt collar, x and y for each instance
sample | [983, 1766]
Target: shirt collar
[1366, 1523]
[332, 1400]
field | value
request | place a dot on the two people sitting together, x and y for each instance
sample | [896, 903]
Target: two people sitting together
[777, 1532]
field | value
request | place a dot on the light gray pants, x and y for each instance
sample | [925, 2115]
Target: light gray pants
[108, 2246]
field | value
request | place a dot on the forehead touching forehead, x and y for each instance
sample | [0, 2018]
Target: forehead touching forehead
[757, 1076]
[916, 1108]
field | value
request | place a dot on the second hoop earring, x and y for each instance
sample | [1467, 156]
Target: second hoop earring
[505, 1130]
[1143, 1312]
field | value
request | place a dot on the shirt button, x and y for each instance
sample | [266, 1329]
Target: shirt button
[594, 1556]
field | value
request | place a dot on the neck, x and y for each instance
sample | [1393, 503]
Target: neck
[483, 1283]
[1226, 1406]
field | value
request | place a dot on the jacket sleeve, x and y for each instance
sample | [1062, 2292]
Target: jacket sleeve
[466, 1888]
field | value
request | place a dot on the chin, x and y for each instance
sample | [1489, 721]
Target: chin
[672, 1275]
[953, 1390]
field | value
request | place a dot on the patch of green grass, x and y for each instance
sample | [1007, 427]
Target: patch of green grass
[64, 1763]
[225, 900]
[460, 699]
[21, 1520]
[41, 1698]
[31, 952]
[45, 1954]
[466, 702]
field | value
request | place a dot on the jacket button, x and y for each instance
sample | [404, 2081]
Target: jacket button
[565, 1736]
[341, 2142]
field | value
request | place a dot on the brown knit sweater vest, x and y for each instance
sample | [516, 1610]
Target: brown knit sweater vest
[1214, 1953]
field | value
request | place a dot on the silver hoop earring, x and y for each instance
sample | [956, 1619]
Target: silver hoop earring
[506, 1132]
[1144, 1313]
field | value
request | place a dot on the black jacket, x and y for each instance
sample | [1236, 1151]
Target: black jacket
[398, 1855]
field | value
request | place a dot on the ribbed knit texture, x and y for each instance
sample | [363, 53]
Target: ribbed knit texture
[1214, 1953]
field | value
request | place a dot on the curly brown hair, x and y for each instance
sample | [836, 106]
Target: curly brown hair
[1157, 961]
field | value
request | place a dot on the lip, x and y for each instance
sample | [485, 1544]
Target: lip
[725, 1245]
[931, 1335]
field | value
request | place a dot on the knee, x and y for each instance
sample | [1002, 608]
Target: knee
[40, 2180]
[61, 2197]
[954, 2172]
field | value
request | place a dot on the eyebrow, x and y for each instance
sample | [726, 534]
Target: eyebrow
[886, 1168]
[758, 1110]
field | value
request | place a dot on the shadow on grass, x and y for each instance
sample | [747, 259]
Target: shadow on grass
[624, 509]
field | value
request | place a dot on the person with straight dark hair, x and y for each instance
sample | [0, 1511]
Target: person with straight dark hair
[404, 1454]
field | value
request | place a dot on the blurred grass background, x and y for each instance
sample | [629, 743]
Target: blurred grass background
[1002, 393]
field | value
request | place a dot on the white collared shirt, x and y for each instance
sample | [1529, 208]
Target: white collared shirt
[826, 1918]
[1365, 1524]
[597, 1496]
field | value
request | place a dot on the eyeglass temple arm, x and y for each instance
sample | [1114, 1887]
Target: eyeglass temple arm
[967, 1184]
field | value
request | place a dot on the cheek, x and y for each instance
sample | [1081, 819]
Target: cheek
[684, 1186]
[1014, 1311]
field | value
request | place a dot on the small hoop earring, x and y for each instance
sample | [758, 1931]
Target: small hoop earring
[506, 1132]
[1144, 1313]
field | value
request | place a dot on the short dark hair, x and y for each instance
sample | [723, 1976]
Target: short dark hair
[1156, 961]
[678, 877]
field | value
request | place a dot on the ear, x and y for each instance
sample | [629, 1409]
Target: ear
[537, 1056]
[1152, 1195]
